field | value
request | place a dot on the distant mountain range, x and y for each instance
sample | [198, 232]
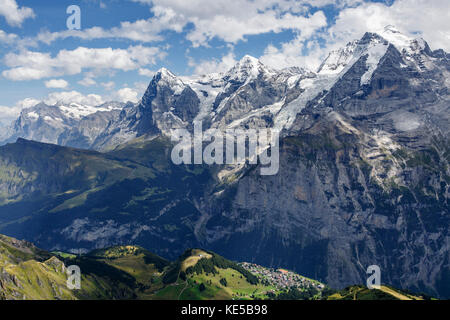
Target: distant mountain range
[65, 124]
[364, 175]
[130, 272]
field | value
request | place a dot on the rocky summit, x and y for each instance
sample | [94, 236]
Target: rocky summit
[363, 180]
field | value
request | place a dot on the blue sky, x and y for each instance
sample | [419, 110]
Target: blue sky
[123, 42]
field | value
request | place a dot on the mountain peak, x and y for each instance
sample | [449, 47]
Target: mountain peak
[248, 59]
[394, 36]
[390, 29]
[163, 72]
[246, 69]
[21, 141]
[165, 77]
[402, 41]
[338, 59]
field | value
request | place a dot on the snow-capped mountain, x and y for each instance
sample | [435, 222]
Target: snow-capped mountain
[251, 94]
[248, 92]
[71, 124]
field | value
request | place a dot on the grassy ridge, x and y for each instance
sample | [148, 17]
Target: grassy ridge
[131, 272]
[383, 293]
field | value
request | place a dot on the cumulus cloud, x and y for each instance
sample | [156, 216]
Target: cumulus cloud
[7, 37]
[146, 72]
[125, 95]
[27, 103]
[144, 30]
[7, 115]
[52, 99]
[306, 53]
[73, 96]
[56, 83]
[108, 85]
[30, 65]
[228, 20]
[14, 14]
[232, 20]
[214, 65]
[427, 19]
[87, 82]
[10, 113]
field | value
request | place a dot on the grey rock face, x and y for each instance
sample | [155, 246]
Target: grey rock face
[338, 205]
[168, 103]
[364, 179]
[88, 129]
[245, 95]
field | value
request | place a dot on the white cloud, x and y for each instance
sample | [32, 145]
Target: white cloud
[429, 18]
[14, 14]
[146, 72]
[7, 37]
[229, 20]
[141, 30]
[56, 83]
[87, 82]
[214, 65]
[232, 20]
[29, 65]
[292, 53]
[140, 87]
[125, 95]
[108, 85]
[73, 96]
[27, 103]
[143, 1]
[9, 114]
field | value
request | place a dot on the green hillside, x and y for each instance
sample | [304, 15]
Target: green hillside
[383, 293]
[204, 275]
[42, 169]
[44, 188]
[143, 266]
[29, 273]
[132, 272]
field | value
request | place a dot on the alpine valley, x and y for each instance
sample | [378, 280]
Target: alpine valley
[363, 179]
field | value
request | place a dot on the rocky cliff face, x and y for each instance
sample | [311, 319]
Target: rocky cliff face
[364, 176]
[334, 208]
